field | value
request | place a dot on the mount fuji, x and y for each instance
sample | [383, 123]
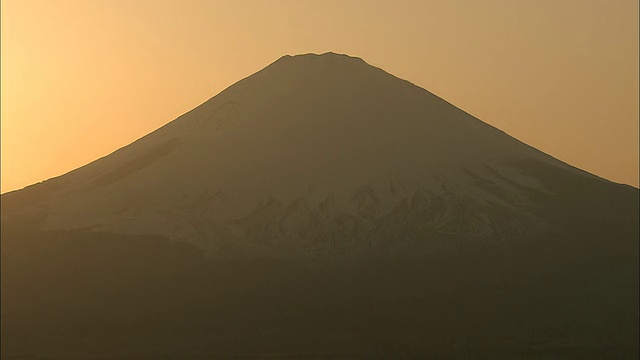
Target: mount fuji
[322, 207]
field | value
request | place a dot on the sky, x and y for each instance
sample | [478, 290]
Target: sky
[82, 78]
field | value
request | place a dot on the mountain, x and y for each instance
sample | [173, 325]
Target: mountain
[314, 152]
[323, 175]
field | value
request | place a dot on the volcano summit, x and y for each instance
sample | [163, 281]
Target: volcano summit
[392, 206]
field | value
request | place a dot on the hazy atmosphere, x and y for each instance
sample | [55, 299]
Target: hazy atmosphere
[81, 79]
[296, 179]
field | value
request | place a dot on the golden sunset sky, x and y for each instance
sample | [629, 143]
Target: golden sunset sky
[82, 78]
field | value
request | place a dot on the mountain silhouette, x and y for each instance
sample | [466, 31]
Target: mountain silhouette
[358, 214]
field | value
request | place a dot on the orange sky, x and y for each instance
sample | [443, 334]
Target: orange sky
[83, 78]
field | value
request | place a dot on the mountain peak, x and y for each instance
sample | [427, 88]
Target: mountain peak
[323, 57]
[328, 54]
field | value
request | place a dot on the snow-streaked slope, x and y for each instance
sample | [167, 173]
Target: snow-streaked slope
[313, 154]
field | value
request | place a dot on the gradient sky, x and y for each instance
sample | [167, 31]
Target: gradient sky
[83, 78]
